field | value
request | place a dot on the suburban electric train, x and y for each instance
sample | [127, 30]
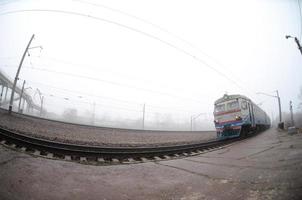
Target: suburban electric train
[237, 115]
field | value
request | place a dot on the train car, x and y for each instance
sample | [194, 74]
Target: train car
[236, 115]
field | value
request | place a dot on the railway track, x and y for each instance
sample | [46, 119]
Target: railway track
[104, 155]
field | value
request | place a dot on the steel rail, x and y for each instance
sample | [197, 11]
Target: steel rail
[62, 149]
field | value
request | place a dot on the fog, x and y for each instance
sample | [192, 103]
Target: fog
[103, 62]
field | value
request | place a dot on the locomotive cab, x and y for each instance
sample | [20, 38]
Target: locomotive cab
[229, 113]
[236, 115]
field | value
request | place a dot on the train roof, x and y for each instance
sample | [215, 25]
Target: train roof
[227, 97]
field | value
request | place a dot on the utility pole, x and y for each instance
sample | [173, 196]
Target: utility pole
[297, 41]
[5, 93]
[23, 106]
[42, 101]
[21, 95]
[21, 110]
[291, 113]
[279, 103]
[193, 119]
[17, 76]
[144, 110]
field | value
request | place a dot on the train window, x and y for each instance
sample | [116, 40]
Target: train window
[244, 105]
[233, 105]
[220, 108]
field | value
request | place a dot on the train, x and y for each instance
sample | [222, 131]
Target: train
[237, 116]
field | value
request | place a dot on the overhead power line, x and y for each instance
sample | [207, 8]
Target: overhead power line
[204, 63]
[109, 98]
[150, 111]
[111, 82]
[91, 103]
[159, 28]
[107, 70]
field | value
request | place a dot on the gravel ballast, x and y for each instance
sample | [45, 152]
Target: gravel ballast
[98, 136]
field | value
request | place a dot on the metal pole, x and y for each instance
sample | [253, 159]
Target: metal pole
[144, 110]
[23, 106]
[298, 43]
[21, 96]
[27, 107]
[193, 120]
[17, 76]
[279, 103]
[291, 113]
[5, 93]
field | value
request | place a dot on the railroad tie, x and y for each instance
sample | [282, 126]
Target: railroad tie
[37, 153]
[114, 160]
[192, 153]
[101, 160]
[131, 160]
[23, 149]
[157, 158]
[144, 159]
[49, 155]
[83, 159]
[66, 157]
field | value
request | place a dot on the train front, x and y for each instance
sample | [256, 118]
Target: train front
[228, 117]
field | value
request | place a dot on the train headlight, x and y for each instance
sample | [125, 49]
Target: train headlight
[238, 118]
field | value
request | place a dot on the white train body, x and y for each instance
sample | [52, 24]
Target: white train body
[236, 115]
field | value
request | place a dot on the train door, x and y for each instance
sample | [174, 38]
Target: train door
[251, 113]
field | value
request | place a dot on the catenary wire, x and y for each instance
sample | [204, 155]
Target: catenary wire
[159, 28]
[132, 29]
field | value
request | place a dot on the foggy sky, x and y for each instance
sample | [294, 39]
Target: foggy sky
[174, 56]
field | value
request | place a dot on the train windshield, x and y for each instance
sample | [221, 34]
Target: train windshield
[220, 108]
[233, 105]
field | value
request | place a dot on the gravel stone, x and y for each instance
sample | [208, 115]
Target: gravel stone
[97, 136]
